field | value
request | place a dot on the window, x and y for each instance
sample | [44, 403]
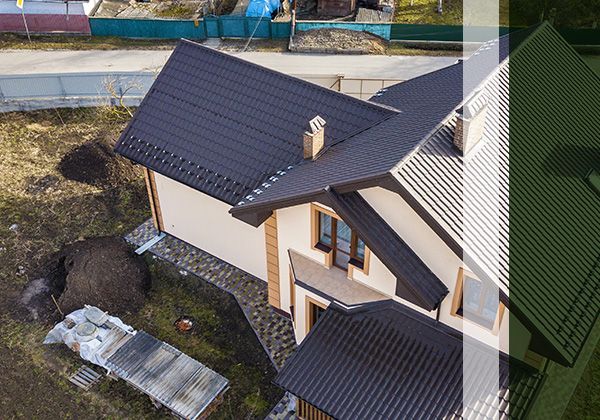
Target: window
[477, 302]
[314, 312]
[593, 179]
[334, 237]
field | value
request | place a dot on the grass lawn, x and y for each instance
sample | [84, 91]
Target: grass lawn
[425, 11]
[34, 376]
[399, 48]
[75, 42]
[585, 402]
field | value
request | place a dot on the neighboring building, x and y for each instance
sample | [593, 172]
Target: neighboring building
[335, 7]
[351, 211]
[46, 16]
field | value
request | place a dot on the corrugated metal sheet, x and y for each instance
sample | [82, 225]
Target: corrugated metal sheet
[168, 376]
[388, 361]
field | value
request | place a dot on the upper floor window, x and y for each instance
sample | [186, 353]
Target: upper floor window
[334, 237]
[477, 302]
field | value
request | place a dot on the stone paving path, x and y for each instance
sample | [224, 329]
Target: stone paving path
[273, 330]
[282, 410]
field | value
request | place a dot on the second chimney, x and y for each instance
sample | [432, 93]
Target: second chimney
[314, 138]
[470, 125]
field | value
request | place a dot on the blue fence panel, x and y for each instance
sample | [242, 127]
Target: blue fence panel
[233, 26]
[280, 29]
[147, 28]
[380, 29]
[209, 27]
[212, 27]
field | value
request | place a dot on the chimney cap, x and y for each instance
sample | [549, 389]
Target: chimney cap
[316, 124]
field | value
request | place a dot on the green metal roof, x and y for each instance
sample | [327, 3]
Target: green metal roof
[554, 214]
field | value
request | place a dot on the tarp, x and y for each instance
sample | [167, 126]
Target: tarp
[89, 347]
[262, 8]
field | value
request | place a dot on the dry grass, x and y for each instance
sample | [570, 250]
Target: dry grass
[73, 42]
[400, 48]
[49, 215]
[43, 219]
[425, 12]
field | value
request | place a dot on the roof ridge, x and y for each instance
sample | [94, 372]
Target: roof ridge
[429, 136]
[347, 97]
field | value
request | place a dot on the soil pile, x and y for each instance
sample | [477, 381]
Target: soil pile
[338, 41]
[96, 163]
[103, 272]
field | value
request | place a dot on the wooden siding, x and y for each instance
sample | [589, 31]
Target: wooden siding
[154, 200]
[309, 412]
[272, 261]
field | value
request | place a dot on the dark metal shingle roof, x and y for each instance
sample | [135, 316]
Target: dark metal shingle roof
[388, 361]
[415, 281]
[424, 103]
[224, 126]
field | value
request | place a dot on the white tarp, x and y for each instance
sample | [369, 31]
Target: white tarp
[87, 320]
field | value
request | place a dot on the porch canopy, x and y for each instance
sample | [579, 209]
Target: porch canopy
[385, 360]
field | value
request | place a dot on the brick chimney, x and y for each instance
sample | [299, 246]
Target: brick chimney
[470, 125]
[314, 139]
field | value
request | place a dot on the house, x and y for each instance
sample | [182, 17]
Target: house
[351, 211]
[44, 16]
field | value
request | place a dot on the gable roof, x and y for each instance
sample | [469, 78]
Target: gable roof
[388, 361]
[555, 232]
[415, 281]
[551, 228]
[224, 126]
[371, 154]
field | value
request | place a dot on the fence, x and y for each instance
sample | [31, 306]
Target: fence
[39, 91]
[244, 27]
[380, 29]
[42, 91]
[440, 33]
[208, 27]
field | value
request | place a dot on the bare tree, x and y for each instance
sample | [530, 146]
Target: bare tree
[117, 89]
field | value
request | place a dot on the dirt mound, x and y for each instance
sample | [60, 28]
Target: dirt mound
[338, 41]
[103, 272]
[96, 163]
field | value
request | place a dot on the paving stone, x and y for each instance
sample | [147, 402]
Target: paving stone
[273, 330]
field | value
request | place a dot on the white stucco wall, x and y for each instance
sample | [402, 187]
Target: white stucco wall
[300, 319]
[435, 254]
[293, 232]
[205, 222]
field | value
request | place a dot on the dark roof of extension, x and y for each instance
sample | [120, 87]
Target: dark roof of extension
[224, 126]
[415, 281]
[389, 361]
[554, 228]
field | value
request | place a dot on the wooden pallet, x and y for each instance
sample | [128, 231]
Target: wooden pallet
[85, 377]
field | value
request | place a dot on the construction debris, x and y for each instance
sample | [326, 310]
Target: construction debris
[85, 377]
[170, 378]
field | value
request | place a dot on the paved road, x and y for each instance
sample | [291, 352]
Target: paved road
[391, 67]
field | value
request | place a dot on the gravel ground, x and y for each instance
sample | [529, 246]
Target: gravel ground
[338, 40]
